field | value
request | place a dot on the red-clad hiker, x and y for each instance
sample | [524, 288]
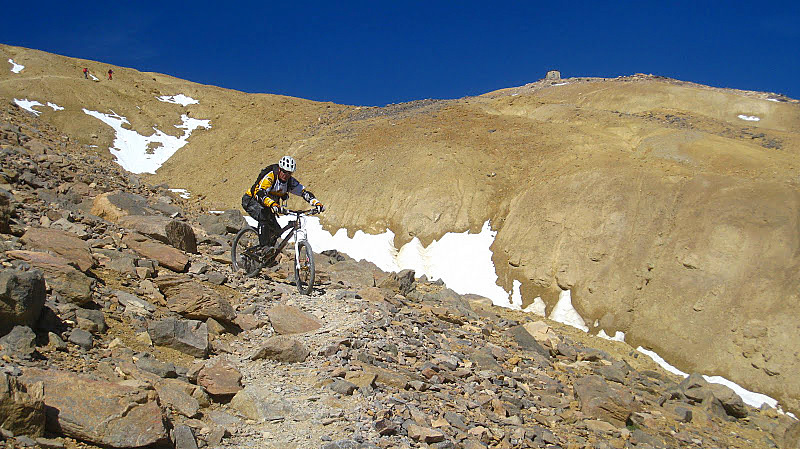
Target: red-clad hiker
[86, 73]
[110, 72]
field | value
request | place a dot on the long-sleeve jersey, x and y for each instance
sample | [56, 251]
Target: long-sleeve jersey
[270, 190]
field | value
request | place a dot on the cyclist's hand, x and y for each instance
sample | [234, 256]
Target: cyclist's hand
[276, 209]
[317, 205]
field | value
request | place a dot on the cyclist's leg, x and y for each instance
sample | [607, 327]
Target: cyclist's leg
[268, 228]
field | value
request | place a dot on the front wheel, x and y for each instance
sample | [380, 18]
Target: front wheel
[304, 268]
[242, 252]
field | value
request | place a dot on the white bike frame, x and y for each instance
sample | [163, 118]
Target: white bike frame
[299, 236]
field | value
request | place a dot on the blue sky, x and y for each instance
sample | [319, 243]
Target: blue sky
[374, 53]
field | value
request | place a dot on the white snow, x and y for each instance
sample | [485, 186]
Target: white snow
[94, 77]
[537, 307]
[564, 313]
[180, 99]
[131, 148]
[559, 84]
[750, 398]
[749, 118]
[182, 192]
[618, 335]
[516, 295]
[28, 105]
[55, 107]
[15, 68]
[774, 99]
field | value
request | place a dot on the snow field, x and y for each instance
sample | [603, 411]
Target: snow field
[180, 99]
[15, 68]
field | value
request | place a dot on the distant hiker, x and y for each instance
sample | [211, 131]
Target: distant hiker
[110, 72]
[263, 200]
[86, 73]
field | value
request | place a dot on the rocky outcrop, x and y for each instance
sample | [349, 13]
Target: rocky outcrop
[99, 412]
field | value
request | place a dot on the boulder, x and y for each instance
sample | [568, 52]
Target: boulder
[173, 394]
[220, 379]
[65, 244]
[198, 301]
[260, 404]
[212, 224]
[282, 349]
[187, 336]
[153, 226]
[233, 220]
[114, 205]
[181, 236]
[21, 342]
[402, 282]
[6, 210]
[21, 407]
[166, 256]
[22, 296]
[601, 400]
[62, 278]
[291, 320]
[99, 412]
[184, 437]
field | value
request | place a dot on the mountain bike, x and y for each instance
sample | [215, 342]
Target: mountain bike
[248, 255]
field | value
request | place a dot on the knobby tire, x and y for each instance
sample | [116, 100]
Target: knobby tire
[304, 276]
[245, 239]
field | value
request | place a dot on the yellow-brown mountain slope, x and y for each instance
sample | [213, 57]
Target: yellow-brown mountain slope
[670, 213]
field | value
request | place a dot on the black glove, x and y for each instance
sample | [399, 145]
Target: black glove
[276, 209]
[317, 205]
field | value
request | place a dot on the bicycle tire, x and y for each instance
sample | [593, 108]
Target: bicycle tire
[304, 268]
[245, 239]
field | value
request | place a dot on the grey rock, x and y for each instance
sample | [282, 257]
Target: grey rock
[22, 296]
[233, 220]
[133, 304]
[181, 236]
[260, 404]
[402, 282]
[526, 341]
[282, 349]
[217, 278]
[21, 342]
[342, 386]
[81, 338]
[184, 437]
[93, 321]
[187, 336]
[147, 362]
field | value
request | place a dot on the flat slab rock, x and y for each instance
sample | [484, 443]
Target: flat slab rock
[99, 412]
[167, 256]
[291, 320]
[65, 244]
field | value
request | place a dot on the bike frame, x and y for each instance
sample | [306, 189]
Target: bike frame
[298, 231]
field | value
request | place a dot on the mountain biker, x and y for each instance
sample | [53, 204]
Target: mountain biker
[263, 200]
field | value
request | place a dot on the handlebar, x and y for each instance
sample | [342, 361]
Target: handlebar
[301, 212]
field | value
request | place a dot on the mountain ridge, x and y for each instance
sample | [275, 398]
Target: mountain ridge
[651, 199]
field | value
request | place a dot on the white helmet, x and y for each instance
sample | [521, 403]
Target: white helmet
[287, 164]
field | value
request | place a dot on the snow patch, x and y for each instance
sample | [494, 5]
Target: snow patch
[774, 99]
[15, 68]
[180, 99]
[183, 193]
[564, 313]
[749, 118]
[749, 397]
[55, 107]
[559, 84]
[137, 153]
[537, 307]
[28, 105]
[618, 335]
[516, 295]
[94, 77]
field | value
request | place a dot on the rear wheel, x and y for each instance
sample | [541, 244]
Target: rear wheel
[304, 268]
[242, 252]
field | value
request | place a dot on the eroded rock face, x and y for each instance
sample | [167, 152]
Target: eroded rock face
[97, 411]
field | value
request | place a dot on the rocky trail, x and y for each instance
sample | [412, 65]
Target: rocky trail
[122, 325]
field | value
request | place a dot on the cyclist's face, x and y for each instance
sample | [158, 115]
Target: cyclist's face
[284, 175]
